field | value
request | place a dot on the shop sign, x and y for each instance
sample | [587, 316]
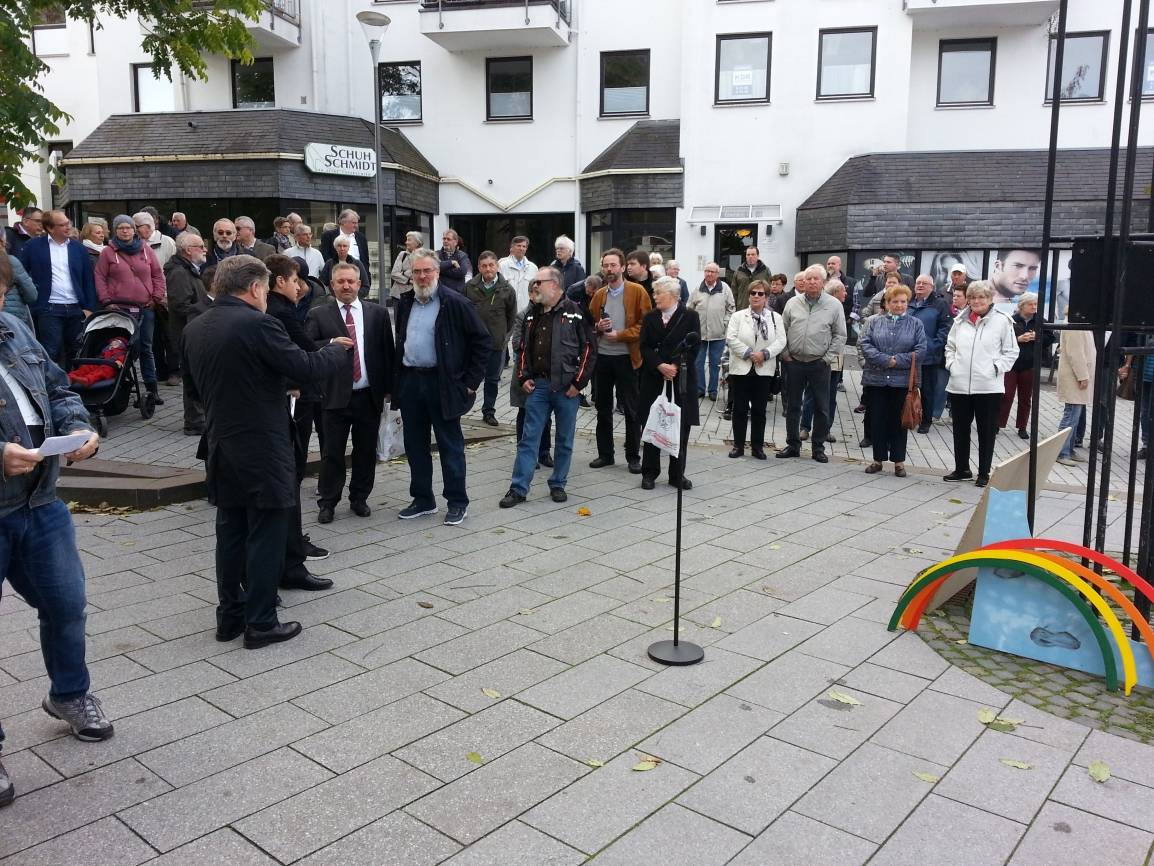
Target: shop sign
[340, 159]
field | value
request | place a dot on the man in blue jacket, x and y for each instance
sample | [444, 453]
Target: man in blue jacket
[65, 285]
[442, 347]
[934, 313]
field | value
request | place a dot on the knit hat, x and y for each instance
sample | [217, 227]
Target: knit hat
[123, 218]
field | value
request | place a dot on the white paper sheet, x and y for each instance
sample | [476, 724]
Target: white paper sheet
[55, 445]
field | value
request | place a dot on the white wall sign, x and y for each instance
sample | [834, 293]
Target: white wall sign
[340, 159]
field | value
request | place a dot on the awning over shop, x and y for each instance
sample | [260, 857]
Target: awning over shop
[641, 169]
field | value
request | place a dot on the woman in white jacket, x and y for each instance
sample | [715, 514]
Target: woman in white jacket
[980, 350]
[755, 337]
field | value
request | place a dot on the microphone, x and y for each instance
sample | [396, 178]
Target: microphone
[689, 341]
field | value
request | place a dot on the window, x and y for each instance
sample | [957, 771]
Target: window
[253, 86]
[742, 72]
[400, 91]
[624, 82]
[509, 88]
[1083, 66]
[1148, 72]
[966, 71]
[150, 93]
[50, 33]
[630, 229]
[845, 63]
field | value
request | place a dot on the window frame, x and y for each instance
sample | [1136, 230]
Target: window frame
[821, 34]
[62, 25]
[489, 117]
[420, 93]
[955, 45]
[135, 72]
[601, 112]
[1148, 35]
[732, 37]
[1051, 47]
[232, 69]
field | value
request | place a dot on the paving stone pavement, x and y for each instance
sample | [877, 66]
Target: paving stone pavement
[481, 694]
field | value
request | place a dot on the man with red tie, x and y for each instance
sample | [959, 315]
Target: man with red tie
[356, 395]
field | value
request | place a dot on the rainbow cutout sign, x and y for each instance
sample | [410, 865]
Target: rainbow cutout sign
[1033, 601]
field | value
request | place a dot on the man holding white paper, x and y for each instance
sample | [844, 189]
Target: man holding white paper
[38, 555]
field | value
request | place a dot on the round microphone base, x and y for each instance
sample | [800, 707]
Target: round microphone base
[680, 654]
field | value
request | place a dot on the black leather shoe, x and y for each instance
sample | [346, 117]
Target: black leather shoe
[7, 789]
[545, 460]
[511, 498]
[601, 462]
[307, 581]
[558, 494]
[865, 442]
[646, 483]
[1023, 434]
[821, 457]
[787, 452]
[981, 480]
[683, 483]
[634, 467]
[923, 428]
[727, 415]
[758, 453]
[736, 452]
[325, 514]
[224, 635]
[360, 509]
[490, 419]
[282, 631]
[958, 475]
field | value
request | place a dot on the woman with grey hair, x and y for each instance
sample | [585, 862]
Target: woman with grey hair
[402, 272]
[1020, 378]
[570, 270]
[667, 359]
[980, 350]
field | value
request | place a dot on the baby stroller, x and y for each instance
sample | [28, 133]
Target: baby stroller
[111, 396]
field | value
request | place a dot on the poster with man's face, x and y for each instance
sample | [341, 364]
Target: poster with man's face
[1013, 272]
[939, 263]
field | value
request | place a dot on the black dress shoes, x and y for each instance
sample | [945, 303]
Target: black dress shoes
[758, 453]
[683, 483]
[282, 631]
[736, 452]
[820, 457]
[307, 581]
[601, 463]
[646, 483]
[7, 789]
[325, 514]
[545, 460]
[787, 452]
[360, 509]
[634, 467]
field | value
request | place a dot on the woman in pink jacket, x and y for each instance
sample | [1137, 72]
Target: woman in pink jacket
[128, 276]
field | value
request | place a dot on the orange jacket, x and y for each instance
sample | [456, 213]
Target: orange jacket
[637, 304]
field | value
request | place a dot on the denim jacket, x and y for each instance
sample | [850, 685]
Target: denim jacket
[61, 408]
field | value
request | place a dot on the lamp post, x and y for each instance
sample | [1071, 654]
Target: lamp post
[375, 24]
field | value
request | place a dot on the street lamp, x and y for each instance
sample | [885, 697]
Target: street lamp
[375, 24]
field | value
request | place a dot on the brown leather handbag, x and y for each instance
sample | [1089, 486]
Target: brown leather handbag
[912, 408]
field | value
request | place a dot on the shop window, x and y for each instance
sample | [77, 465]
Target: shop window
[966, 71]
[150, 93]
[400, 91]
[845, 62]
[624, 82]
[509, 88]
[1083, 67]
[628, 229]
[742, 69]
[253, 85]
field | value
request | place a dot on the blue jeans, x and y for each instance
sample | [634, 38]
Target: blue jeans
[934, 379]
[58, 328]
[538, 407]
[807, 401]
[147, 359]
[712, 348]
[420, 402]
[38, 557]
[1071, 415]
[493, 370]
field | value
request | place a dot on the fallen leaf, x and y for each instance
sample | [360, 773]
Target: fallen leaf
[961, 642]
[843, 698]
[425, 604]
[1002, 727]
[475, 758]
[956, 502]
[1099, 771]
[716, 622]
[663, 600]
[928, 777]
[775, 547]
[986, 715]
[498, 531]
[583, 511]
[491, 693]
[1017, 765]
[643, 766]
[525, 611]
[914, 550]
[593, 762]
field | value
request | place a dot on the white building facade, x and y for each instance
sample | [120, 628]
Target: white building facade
[692, 127]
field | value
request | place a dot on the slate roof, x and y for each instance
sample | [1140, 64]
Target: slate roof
[971, 176]
[646, 144]
[240, 131]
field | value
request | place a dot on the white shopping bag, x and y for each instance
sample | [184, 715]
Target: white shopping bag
[391, 438]
[663, 429]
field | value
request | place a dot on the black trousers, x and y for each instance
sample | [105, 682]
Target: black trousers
[815, 375]
[616, 372]
[651, 457]
[965, 410]
[364, 422]
[250, 553]
[867, 420]
[308, 417]
[750, 397]
[886, 431]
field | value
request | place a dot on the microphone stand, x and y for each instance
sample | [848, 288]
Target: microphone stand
[678, 652]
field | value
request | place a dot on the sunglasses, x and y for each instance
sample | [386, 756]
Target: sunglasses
[757, 294]
[536, 283]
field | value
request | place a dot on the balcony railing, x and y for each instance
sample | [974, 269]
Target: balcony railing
[561, 7]
[286, 9]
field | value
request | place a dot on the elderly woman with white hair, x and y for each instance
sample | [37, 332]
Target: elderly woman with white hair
[980, 350]
[570, 270]
[667, 363]
[402, 272]
[342, 256]
[1020, 378]
[673, 269]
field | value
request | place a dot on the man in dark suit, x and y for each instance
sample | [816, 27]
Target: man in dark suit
[240, 362]
[28, 227]
[442, 349]
[349, 223]
[65, 285]
[356, 394]
[247, 242]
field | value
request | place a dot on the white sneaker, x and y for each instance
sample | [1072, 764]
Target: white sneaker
[1067, 461]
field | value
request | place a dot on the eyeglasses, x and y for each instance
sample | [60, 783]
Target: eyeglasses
[535, 283]
[757, 294]
[424, 270]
